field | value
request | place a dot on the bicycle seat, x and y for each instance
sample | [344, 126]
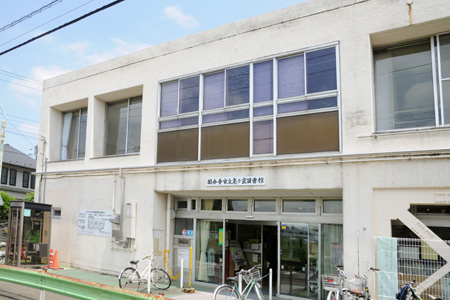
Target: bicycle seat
[356, 292]
[134, 262]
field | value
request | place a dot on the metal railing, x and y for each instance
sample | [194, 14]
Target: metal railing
[66, 286]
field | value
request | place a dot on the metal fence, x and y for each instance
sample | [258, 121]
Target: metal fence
[402, 260]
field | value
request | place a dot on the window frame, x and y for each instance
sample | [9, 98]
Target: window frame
[107, 129]
[25, 182]
[12, 178]
[5, 172]
[316, 208]
[77, 137]
[272, 105]
[437, 81]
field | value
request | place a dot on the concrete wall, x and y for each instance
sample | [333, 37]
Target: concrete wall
[370, 172]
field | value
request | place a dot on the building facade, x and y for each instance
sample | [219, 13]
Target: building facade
[291, 140]
[17, 177]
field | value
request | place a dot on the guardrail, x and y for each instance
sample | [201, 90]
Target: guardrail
[71, 287]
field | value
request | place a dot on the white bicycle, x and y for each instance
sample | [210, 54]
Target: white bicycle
[129, 278]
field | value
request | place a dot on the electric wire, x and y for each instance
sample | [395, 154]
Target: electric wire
[20, 133]
[46, 23]
[29, 15]
[21, 77]
[28, 87]
[62, 26]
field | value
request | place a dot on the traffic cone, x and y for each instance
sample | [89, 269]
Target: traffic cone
[50, 259]
[55, 262]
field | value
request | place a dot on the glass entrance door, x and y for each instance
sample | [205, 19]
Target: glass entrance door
[209, 251]
[299, 260]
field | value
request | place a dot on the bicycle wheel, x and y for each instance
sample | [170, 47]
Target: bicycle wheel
[129, 279]
[225, 292]
[160, 279]
[333, 295]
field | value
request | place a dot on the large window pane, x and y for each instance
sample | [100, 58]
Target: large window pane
[263, 81]
[73, 135]
[265, 205]
[214, 91]
[299, 206]
[117, 128]
[404, 87]
[226, 141]
[73, 138]
[291, 77]
[169, 99]
[211, 204]
[134, 125]
[25, 179]
[263, 137]
[12, 176]
[238, 85]
[209, 250]
[4, 175]
[446, 100]
[237, 205]
[332, 206]
[180, 145]
[444, 42]
[189, 92]
[226, 116]
[308, 133]
[82, 133]
[124, 126]
[321, 70]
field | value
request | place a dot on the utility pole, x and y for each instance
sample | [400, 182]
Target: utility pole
[2, 140]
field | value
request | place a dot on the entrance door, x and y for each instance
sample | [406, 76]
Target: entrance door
[299, 268]
[209, 263]
[249, 244]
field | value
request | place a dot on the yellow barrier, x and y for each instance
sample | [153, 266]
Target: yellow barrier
[166, 264]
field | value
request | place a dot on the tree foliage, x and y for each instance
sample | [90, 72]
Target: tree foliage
[7, 198]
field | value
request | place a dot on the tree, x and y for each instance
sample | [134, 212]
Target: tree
[4, 209]
[29, 197]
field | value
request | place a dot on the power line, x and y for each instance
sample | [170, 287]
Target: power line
[46, 22]
[64, 25]
[17, 117]
[29, 15]
[21, 77]
[28, 87]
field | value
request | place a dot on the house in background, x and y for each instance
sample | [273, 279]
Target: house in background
[17, 179]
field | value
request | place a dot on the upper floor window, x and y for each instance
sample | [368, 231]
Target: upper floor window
[4, 175]
[12, 176]
[26, 179]
[413, 84]
[32, 181]
[124, 126]
[283, 105]
[74, 134]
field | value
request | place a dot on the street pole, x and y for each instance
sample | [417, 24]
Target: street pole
[2, 140]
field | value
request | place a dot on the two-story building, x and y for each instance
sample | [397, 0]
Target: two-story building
[17, 177]
[290, 139]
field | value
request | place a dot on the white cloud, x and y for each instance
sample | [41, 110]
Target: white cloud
[28, 128]
[79, 47]
[42, 73]
[175, 13]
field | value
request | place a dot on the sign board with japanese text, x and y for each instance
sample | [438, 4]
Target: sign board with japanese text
[236, 181]
[95, 222]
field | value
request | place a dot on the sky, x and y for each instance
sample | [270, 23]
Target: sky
[127, 27]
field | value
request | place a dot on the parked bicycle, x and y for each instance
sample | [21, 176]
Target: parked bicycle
[129, 278]
[408, 292]
[341, 288]
[231, 291]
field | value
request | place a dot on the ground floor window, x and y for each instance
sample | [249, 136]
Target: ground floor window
[209, 251]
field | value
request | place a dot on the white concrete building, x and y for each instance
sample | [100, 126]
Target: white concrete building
[296, 136]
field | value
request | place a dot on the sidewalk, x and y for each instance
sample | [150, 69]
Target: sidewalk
[202, 292]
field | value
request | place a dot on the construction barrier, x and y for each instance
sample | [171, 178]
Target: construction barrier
[166, 265]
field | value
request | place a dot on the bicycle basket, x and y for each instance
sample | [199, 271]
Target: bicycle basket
[330, 283]
[355, 284]
[254, 273]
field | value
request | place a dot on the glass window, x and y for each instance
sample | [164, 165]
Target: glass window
[404, 87]
[56, 212]
[169, 99]
[32, 181]
[237, 205]
[332, 206]
[183, 224]
[74, 134]
[321, 70]
[124, 127]
[226, 141]
[291, 77]
[444, 53]
[12, 176]
[189, 92]
[214, 91]
[308, 133]
[238, 85]
[263, 81]
[4, 175]
[299, 206]
[26, 179]
[209, 248]
[180, 145]
[265, 205]
[182, 204]
[212, 204]
[263, 137]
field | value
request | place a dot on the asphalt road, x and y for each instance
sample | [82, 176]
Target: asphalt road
[10, 291]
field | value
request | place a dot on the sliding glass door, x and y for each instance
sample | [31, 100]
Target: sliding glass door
[209, 251]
